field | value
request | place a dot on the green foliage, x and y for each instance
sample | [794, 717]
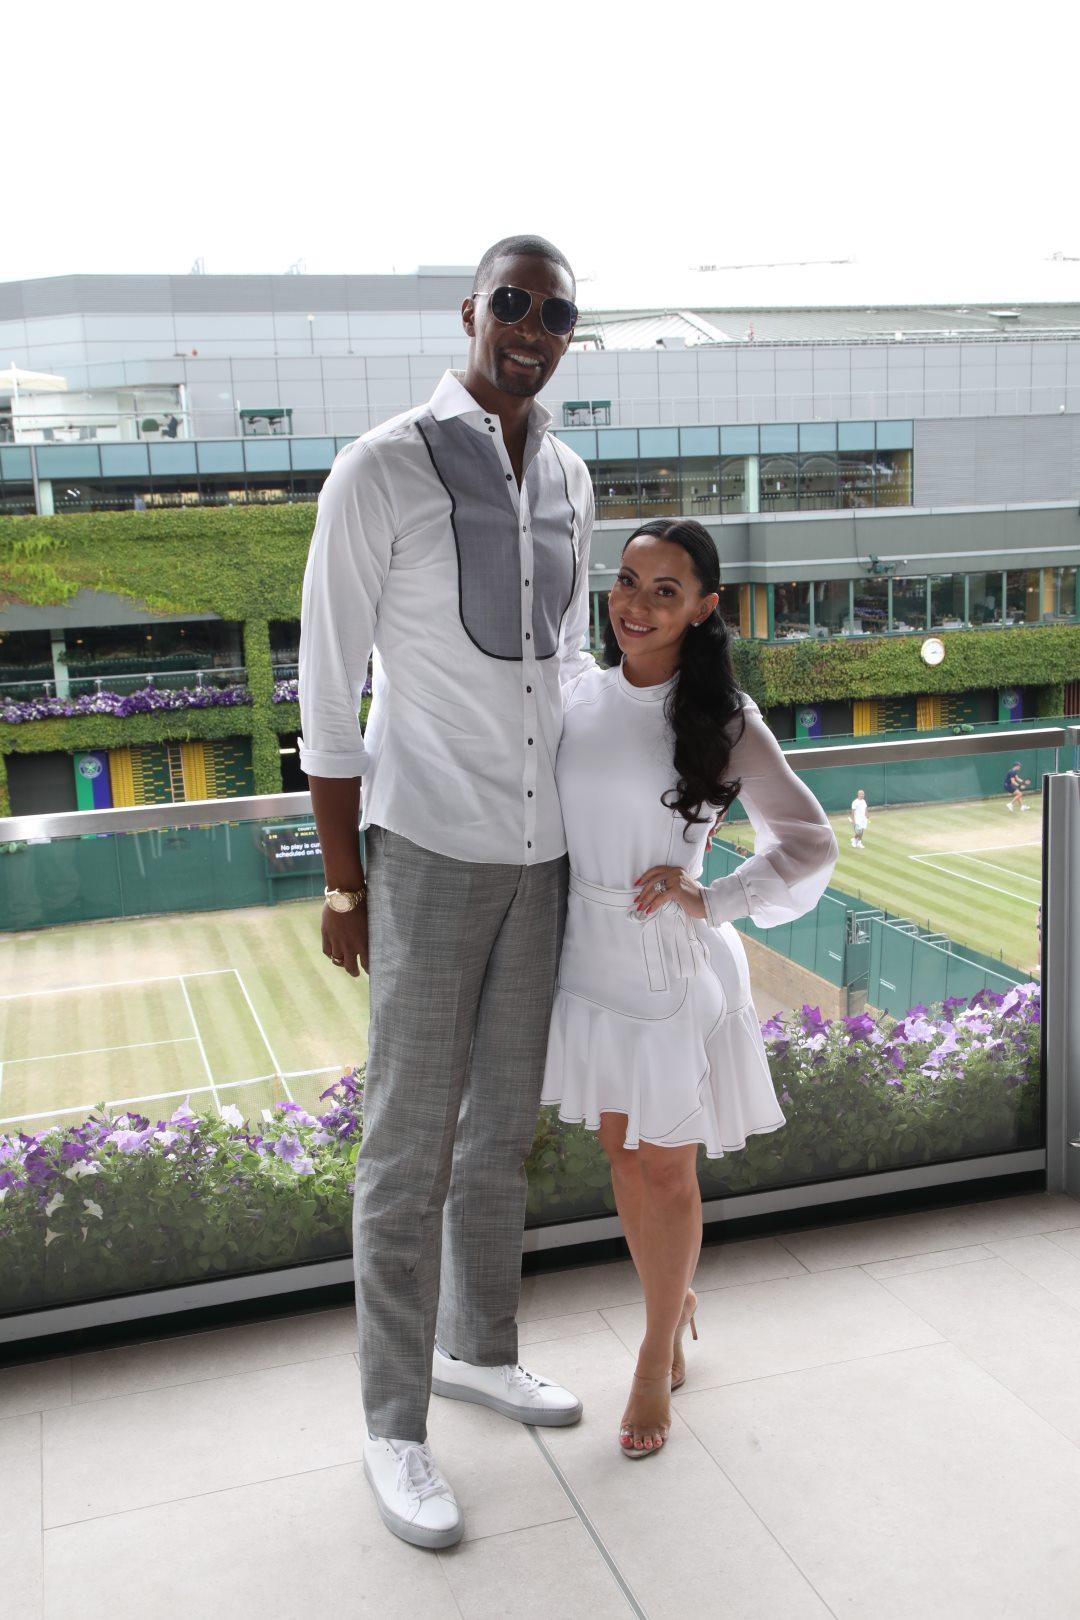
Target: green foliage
[887, 666]
[237, 562]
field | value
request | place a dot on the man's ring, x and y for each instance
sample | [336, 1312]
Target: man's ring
[338, 961]
[661, 885]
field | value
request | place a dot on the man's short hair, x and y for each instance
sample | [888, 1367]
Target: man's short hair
[519, 247]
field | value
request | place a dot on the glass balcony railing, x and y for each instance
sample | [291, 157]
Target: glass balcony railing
[181, 1074]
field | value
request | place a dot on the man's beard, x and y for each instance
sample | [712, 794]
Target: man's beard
[519, 387]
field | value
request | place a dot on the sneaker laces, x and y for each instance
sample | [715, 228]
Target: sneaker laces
[527, 1382]
[418, 1474]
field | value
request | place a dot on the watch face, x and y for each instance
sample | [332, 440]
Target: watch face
[932, 650]
[338, 902]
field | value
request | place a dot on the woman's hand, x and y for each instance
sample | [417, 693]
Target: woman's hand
[680, 887]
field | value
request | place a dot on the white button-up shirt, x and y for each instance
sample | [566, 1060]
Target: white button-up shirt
[474, 596]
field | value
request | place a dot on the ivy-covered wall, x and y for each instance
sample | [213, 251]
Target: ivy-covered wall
[246, 564]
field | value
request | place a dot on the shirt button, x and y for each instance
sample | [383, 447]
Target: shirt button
[491, 430]
[528, 689]
[526, 582]
[530, 742]
[530, 793]
[508, 478]
[529, 844]
[487, 419]
[528, 635]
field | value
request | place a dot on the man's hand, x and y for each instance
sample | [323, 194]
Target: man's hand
[345, 938]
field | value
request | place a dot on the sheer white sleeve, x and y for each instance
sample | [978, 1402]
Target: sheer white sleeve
[795, 848]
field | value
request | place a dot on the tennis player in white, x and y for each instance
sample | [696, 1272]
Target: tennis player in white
[859, 816]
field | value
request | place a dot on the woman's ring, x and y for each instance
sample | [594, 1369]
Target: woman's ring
[661, 885]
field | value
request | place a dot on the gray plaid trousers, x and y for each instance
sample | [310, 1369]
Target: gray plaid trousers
[464, 957]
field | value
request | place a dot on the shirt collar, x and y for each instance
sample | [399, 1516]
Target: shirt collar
[451, 398]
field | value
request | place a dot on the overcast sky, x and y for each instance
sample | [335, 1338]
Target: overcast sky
[936, 145]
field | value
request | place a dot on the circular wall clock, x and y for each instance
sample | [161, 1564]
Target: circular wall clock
[932, 650]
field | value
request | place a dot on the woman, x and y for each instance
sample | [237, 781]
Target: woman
[655, 1042]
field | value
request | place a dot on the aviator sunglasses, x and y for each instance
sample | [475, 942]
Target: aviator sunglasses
[509, 305]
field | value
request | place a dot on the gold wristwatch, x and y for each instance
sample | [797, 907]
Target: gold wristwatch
[345, 899]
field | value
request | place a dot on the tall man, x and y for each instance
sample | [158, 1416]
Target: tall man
[454, 541]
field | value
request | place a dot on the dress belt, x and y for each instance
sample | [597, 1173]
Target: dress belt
[671, 948]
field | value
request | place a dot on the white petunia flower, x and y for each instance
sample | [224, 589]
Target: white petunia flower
[232, 1115]
[54, 1203]
[49, 1235]
[95, 1209]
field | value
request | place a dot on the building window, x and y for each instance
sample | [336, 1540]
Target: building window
[984, 599]
[1063, 593]
[791, 611]
[871, 605]
[892, 478]
[779, 484]
[832, 606]
[699, 485]
[818, 486]
[909, 603]
[1022, 604]
[855, 481]
[947, 601]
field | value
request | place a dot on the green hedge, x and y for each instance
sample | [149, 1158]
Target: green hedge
[246, 564]
[814, 672]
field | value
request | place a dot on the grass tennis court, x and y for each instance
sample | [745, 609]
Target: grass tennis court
[225, 1007]
[970, 869]
[241, 1006]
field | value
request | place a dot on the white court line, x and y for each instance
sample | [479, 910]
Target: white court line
[1021, 877]
[88, 1108]
[964, 878]
[262, 1032]
[301, 1074]
[198, 1037]
[116, 984]
[86, 1051]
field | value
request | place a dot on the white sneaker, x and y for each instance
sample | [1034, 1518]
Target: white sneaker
[1025, 807]
[415, 1501]
[510, 1390]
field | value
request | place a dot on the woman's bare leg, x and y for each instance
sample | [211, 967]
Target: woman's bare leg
[659, 1204]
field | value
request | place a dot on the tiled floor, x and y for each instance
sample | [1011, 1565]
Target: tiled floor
[881, 1421]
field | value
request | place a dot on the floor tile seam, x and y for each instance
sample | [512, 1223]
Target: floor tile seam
[589, 1528]
[718, 1466]
[782, 1237]
[920, 1271]
[512, 1529]
[1034, 1280]
[196, 1496]
[1049, 1292]
[1017, 1397]
[813, 1366]
[190, 1383]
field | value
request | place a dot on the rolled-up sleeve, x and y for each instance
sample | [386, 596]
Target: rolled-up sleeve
[347, 565]
[795, 848]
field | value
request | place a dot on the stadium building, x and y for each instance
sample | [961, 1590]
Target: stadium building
[893, 491]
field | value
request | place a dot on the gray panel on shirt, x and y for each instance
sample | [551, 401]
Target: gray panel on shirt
[485, 526]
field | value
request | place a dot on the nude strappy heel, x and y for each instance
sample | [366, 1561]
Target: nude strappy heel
[686, 1320]
[635, 1453]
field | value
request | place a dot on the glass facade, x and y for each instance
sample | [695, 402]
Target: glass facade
[637, 472]
[777, 467]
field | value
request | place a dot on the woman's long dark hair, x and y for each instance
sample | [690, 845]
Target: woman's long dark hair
[705, 696]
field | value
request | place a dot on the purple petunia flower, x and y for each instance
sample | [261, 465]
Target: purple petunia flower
[288, 1148]
[146, 701]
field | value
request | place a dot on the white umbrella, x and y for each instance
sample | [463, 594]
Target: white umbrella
[31, 382]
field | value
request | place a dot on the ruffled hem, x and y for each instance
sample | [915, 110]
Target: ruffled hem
[691, 1141]
[675, 1085]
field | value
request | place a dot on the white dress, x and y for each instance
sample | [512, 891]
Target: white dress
[655, 1019]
